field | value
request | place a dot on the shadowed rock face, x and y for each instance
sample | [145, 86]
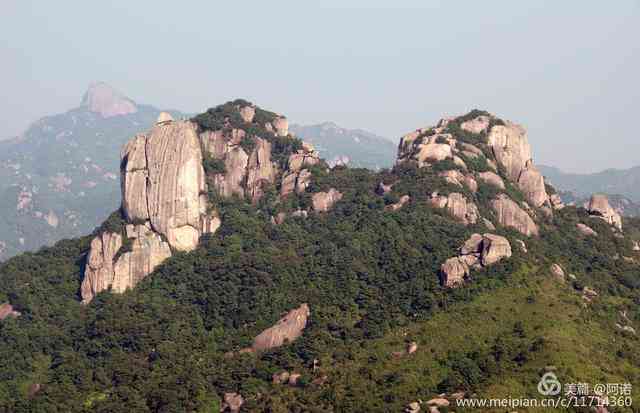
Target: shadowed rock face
[509, 214]
[287, 329]
[599, 206]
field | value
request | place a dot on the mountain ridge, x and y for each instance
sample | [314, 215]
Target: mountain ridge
[455, 274]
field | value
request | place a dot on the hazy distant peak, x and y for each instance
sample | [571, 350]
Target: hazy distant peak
[103, 99]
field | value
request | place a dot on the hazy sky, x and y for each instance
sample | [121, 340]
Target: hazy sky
[567, 70]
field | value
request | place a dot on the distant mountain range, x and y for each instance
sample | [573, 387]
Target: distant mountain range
[624, 182]
[61, 177]
[355, 147]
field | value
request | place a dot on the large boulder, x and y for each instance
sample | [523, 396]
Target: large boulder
[6, 310]
[494, 249]
[324, 201]
[585, 229]
[598, 206]
[509, 214]
[453, 272]
[491, 178]
[458, 206]
[286, 330]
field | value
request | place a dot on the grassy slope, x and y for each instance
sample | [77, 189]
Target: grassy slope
[580, 344]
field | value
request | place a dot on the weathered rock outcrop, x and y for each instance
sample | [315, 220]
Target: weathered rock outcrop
[286, 330]
[297, 178]
[232, 403]
[163, 196]
[557, 272]
[509, 214]
[512, 150]
[585, 229]
[477, 252]
[394, 207]
[492, 179]
[598, 206]
[163, 182]
[6, 310]
[106, 101]
[458, 206]
[324, 201]
[453, 272]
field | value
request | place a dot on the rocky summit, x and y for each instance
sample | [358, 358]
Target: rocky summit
[244, 272]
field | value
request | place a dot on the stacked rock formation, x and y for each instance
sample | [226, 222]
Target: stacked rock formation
[503, 145]
[164, 201]
[477, 252]
[598, 206]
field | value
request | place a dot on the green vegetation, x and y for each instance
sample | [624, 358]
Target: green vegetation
[370, 277]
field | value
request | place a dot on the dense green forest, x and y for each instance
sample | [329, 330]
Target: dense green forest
[370, 277]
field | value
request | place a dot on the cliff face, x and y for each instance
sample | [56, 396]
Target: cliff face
[163, 199]
[167, 174]
[163, 183]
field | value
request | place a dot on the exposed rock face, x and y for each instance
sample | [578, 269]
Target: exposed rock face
[163, 187]
[324, 201]
[296, 178]
[281, 126]
[512, 150]
[232, 403]
[485, 250]
[476, 125]
[599, 206]
[556, 202]
[492, 179]
[247, 113]
[99, 273]
[6, 310]
[462, 209]
[163, 182]
[453, 272]
[286, 330]
[106, 101]
[261, 171]
[494, 249]
[557, 272]
[585, 230]
[509, 214]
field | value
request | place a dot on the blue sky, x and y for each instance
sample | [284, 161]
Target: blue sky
[566, 70]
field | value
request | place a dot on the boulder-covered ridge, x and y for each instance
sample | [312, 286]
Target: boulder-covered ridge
[174, 176]
[482, 150]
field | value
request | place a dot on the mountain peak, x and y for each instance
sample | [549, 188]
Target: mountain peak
[103, 99]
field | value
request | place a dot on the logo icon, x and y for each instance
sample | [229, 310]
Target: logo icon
[549, 385]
